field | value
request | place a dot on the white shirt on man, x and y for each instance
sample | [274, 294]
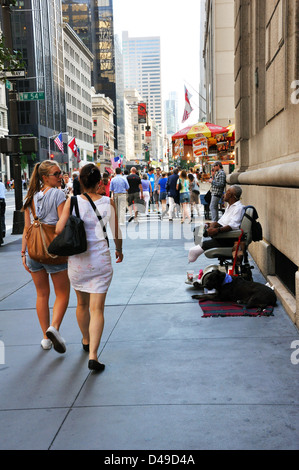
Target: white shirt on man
[233, 215]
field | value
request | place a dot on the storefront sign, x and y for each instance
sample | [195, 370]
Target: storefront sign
[200, 146]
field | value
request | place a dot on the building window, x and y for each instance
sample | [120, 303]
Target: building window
[275, 33]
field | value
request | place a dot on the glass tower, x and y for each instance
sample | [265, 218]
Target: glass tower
[92, 20]
[142, 70]
[37, 33]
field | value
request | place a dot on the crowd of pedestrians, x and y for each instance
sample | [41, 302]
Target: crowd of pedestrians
[174, 193]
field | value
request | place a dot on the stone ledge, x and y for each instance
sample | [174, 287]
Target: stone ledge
[285, 175]
[287, 299]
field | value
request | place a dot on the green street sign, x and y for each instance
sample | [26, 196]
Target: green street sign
[32, 96]
[8, 85]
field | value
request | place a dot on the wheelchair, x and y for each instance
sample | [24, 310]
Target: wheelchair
[232, 260]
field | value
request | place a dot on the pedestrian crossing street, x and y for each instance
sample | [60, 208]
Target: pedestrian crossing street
[156, 216]
[153, 215]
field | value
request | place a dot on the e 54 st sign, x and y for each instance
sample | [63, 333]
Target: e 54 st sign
[32, 96]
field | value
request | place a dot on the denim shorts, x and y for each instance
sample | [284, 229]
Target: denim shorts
[163, 196]
[35, 266]
[184, 197]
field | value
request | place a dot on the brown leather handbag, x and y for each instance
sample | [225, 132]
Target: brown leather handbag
[39, 236]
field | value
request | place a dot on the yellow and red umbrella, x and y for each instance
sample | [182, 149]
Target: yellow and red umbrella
[205, 128]
[182, 134]
[230, 132]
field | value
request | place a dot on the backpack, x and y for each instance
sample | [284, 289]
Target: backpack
[256, 228]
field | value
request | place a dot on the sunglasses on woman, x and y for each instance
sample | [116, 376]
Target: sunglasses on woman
[56, 174]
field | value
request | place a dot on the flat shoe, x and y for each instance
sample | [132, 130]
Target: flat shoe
[95, 365]
[46, 344]
[57, 340]
[85, 347]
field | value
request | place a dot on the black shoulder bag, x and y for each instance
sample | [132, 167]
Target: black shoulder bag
[72, 239]
[98, 216]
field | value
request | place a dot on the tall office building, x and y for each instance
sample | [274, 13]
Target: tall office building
[77, 64]
[92, 20]
[171, 114]
[202, 72]
[37, 33]
[142, 70]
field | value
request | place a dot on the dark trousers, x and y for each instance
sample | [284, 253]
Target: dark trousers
[209, 243]
[2, 219]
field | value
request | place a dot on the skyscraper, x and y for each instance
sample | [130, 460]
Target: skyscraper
[142, 70]
[37, 33]
[171, 114]
[92, 20]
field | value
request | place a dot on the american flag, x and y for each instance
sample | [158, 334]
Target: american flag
[116, 161]
[58, 142]
[188, 108]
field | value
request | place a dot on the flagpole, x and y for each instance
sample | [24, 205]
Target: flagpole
[51, 137]
[54, 136]
[199, 96]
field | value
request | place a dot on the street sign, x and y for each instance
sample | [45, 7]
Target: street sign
[8, 85]
[12, 73]
[32, 96]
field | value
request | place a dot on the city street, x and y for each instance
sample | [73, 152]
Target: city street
[108, 97]
[173, 379]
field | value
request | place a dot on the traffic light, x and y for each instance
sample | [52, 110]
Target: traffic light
[18, 144]
[7, 145]
[51, 156]
[28, 144]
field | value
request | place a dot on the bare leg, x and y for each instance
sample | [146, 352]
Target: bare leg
[62, 291]
[41, 282]
[187, 211]
[96, 325]
[82, 313]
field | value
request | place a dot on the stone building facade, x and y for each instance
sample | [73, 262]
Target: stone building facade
[267, 138]
[218, 54]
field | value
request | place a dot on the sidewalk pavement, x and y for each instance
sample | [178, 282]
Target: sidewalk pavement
[173, 380]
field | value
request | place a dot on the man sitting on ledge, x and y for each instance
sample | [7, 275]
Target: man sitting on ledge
[231, 220]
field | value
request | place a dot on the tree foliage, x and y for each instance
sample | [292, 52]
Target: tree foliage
[9, 60]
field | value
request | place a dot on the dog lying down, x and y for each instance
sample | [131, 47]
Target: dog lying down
[236, 289]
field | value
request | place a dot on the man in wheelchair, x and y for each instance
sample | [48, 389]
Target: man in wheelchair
[231, 220]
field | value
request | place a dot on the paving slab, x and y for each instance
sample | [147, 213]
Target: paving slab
[187, 427]
[173, 379]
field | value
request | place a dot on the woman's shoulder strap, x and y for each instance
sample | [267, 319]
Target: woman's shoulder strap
[74, 204]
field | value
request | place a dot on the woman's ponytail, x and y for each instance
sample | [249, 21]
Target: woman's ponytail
[34, 186]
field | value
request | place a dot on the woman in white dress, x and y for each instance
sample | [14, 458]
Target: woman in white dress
[91, 272]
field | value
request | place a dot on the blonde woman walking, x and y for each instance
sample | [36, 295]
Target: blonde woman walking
[47, 201]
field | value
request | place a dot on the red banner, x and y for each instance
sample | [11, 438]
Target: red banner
[141, 113]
